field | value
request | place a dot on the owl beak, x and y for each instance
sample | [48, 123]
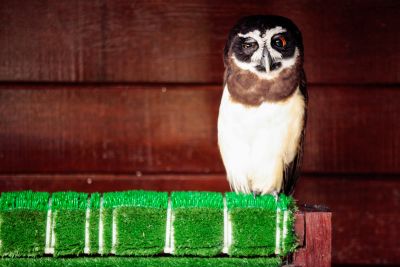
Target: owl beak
[264, 61]
[267, 63]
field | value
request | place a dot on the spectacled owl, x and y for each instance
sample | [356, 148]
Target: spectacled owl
[263, 109]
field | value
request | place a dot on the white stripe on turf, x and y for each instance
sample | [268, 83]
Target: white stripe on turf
[285, 230]
[47, 248]
[114, 231]
[227, 229]
[172, 236]
[87, 243]
[101, 227]
[168, 232]
[278, 232]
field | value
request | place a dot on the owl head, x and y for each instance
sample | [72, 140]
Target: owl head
[263, 59]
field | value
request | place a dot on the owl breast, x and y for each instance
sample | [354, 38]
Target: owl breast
[257, 142]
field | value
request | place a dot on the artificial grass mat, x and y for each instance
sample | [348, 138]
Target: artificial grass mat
[69, 218]
[94, 220]
[142, 262]
[145, 223]
[261, 225]
[23, 223]
[198, 223]
[139, 219]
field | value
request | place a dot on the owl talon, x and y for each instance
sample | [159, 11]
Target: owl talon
[255, 193]
[275, 195]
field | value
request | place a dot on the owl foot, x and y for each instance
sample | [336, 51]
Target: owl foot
[256, 193]
[275, 195]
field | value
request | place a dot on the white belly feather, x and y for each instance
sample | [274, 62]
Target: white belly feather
[256, 143]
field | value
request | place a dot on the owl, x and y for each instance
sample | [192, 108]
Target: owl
[263, 108]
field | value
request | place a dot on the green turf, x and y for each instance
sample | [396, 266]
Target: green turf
[94, 217]
[141, 262]
[69, 219]
[140, 219]
[141, 231]
[289, 242]
[136, 198]
[198, 223]
[23, 223]
[106, 215]
[254, 224]
[192, 199]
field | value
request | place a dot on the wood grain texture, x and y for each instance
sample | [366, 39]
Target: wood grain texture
[181, 41]
[172, 129]
[318, 244]
[300, 228]
[365, 209]
[365, 215]
[117, 129]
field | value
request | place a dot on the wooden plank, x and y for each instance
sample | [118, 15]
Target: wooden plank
[318, 244]
[352, 130]
[51, 40]
[300, 228]
[111, 129]
[182, 41]
[365, 208]
[158, 129]
[365, 215]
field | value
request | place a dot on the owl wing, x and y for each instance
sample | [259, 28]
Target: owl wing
[292, 170]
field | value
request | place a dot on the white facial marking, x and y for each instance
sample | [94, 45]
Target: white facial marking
[286, 63]
[257, 55]
[267, 40]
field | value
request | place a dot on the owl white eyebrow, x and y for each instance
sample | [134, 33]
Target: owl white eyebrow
[254, 34]
[250, 40]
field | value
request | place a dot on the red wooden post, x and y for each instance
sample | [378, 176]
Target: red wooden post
[314, 229]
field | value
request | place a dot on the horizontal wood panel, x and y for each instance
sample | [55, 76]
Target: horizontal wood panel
[365, 215]
[365, 209]
[159, 129]
[182, 41]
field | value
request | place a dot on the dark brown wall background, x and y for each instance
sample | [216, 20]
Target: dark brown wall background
[106, 95]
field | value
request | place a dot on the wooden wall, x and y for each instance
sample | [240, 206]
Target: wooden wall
[106, 95]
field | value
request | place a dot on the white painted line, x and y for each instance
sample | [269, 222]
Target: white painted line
[87, 240]
[172, 238]
[227, 222]
[167, 247]
[285, 230]
[101, 227]
[47, 248]
[278, 232]
[114, 231]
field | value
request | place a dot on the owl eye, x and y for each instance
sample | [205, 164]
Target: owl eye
[279, 41]
[249, 45]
